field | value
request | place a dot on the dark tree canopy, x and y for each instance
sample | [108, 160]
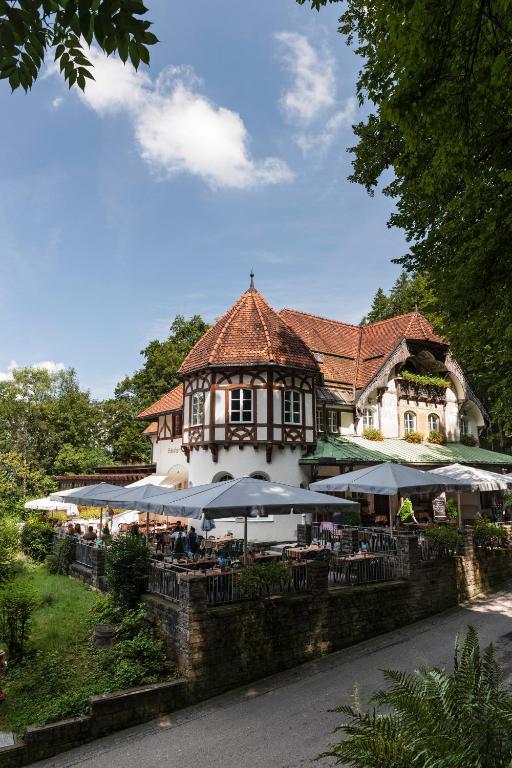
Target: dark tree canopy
[437, 78]
[31, 29]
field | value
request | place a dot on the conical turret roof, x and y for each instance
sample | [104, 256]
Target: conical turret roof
[250, 333]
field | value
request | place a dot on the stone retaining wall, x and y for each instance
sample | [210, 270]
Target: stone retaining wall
[108, 713]
[221, 647]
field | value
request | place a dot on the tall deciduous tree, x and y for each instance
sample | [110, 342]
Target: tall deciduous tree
[30, 29]
[438, 82]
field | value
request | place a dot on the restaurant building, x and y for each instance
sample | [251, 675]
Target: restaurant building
[290, 396]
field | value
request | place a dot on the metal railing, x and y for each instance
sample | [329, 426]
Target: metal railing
[376, 540]
[164, 580]
[83, 554]
[224, 588]
[433, 550]
[352, 571]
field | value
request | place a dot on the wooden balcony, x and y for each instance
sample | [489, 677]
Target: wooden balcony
[413, 392]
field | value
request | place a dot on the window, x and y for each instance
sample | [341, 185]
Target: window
[178, 421]
[433, 422]
[260, 476]
[409, 422]
[197, 409]
[240, 406]
[221, 477]
[464, 426]
[369, 418]
[292, 406]
[332, 421]
[320, 425]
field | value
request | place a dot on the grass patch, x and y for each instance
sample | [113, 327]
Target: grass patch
[60, 671]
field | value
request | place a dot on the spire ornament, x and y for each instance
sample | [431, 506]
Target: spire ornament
[251, 286]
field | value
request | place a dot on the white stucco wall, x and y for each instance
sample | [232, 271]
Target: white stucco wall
[284, 467]
[168, 453]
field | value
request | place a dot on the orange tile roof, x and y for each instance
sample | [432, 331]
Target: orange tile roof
[151, 429]
[172, 401]
[352, 353]
[250, 333]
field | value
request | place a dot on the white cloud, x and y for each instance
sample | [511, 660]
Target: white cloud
[324, 138]
[313, 86]
[177, 128]
[57, 102]
[47, 365]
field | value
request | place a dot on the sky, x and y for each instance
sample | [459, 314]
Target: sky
[156, 192]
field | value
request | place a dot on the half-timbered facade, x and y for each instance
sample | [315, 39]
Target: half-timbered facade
[278, 395]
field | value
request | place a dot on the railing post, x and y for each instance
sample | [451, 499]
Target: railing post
[192, 615]
[349, 541]
[468, 542]
[408, 552]
[318, 576]
[98, 567]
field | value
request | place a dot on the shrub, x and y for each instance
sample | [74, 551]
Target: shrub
[469, 440]
[262, 579]
[489, 534]
[372, 433]
[37, 539]
[126, 566]
[413, 437]
[17, 604]
[444, 535]
[436, 437]
[9, 543]
[406, 511]
[61, 557]
[452, 509]
[352, 517]
[138, 657]
[433, 718]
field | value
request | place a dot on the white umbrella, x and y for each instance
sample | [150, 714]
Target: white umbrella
[478, 479]
[50, 505]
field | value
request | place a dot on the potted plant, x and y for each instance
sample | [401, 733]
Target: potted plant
[436, 437]
[413, 437]
[372, 433]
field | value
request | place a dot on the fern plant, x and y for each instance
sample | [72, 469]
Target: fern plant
[433, 718]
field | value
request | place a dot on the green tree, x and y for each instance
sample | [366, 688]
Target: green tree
[72, 460]
[124, 433]
[19, 482]
[434, 718]
[30, 29]
[438, 84]
[379, 309]
[162, 360]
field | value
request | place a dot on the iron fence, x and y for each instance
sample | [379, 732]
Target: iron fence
[354, 570]
[225, 587]
[164, 580]
[83, 554]
[377, 540]
[434, 550]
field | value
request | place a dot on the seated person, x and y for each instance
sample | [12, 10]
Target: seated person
[90, 534]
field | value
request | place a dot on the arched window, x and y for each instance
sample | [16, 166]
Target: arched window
[433, 422]
[464, 426]
[240, 406]
[221, 477]
[292, 409]
[197, 409]
[260, 476]
[369, 418]
[409, 422]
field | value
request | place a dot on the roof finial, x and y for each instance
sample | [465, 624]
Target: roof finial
[416, 308]
[251, 287]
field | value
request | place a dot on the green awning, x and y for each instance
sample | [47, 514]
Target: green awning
[358, 450]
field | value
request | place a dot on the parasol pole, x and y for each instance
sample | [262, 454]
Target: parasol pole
[460, 509]
[101, 521]
[245, 540]
[390, 506]
[147, 527]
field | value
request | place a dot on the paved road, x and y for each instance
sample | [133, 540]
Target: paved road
[284, 720]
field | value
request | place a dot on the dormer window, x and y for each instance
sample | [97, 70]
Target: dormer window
[240, 406]
[292, 409]
[332, 421]
[320, 424]
[197, 409]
